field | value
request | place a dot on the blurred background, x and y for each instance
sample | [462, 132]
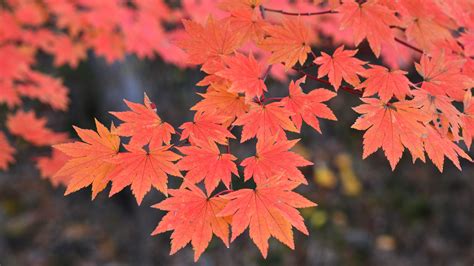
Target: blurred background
[367, 214]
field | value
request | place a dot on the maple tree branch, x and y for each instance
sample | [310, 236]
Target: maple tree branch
[400, 41]
[344, 88]
[298, 14]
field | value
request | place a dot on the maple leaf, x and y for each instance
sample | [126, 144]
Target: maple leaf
[46, 89]
[265, 121]
[269, 210]
[289, 43]
[308, 107]
[424, 23]
[370, 20]
[245, 74]
[6, 152]
[206, 162]
[143, 124]
[341, 65]
[442, 76]
[89, 163]
[438, 146]
[50, 165]
[218, 99]
[208, 43]
[143, 169]
[206, 127]
[248, 23]
[192, 218]
[439, 108]
[392, 127]
[33, 129]
[386, 83]
[273, 158]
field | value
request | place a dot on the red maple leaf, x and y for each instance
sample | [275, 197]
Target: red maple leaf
[274, 158]
[386, 83]
[245, 75]
[33, 129]
[289, 43]
[371, 20]
[192, 217]
[392, 127]
[265, 121]
[206, 162]
[341, 65]
[438, 146]
[443, 76]
[206, 127]
[142, 169]
[269, 210]
[308, 107]
[89, 162]
[143, 124]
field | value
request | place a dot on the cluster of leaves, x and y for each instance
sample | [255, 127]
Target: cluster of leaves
[66, 30]
[237, 50]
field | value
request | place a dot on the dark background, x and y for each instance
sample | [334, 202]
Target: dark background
[411, 216]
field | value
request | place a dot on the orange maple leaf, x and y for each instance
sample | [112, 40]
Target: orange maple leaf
[206, 44]
[218, 99]
[440, 110]
[89, 163]
[438, 146]
[206, 162]
[206, 127]
[46, 89]
[6, 152]
[371, 20]
[142, 169]
[442, 76]
[143, 124]
[425, 23]
[274, 158]
[33, 129]
[392, 127]
[269, 210]
[308, 107]
[245, 74]
[289, 43]
[341, 65]
[265, 121]
[192, 217]
[386, 83]
[248, 23]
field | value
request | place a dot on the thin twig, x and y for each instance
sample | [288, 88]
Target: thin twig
[344, 88]
[299, 14]
[409, 45]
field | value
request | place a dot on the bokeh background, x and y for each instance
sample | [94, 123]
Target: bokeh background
[367, 214]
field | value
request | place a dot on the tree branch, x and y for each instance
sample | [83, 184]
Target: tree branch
[400, 41]
[344, 88]
[299, 14]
